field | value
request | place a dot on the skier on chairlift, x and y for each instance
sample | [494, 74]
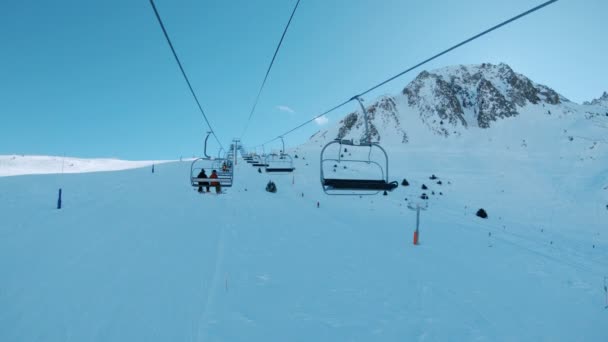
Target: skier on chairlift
[217, 185]
[202, 174]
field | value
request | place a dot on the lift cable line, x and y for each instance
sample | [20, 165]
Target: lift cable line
[418, 65]
[268, 70]
[162, 26]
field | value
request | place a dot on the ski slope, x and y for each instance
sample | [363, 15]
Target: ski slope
[140, 256]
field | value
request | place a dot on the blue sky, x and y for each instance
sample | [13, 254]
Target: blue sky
[97, 79]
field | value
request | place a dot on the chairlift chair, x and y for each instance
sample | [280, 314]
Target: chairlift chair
[259, 161]
[208, 164]
[225, 179]
[218, 165]
[281, 163]
[376, 179]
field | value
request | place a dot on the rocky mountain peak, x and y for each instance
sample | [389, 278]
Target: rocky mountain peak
[474, 95]
[383, 115]
[601, 101]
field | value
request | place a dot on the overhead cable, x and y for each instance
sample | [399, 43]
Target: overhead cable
[276, 51]
[162, 26]
[416, 66]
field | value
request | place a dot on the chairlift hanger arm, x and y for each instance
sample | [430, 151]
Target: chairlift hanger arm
[205, 151]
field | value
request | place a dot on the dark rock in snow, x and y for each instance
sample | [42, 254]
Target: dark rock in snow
[405, 182]
[271, 187]
[424, 187]
[424, 196]
[482, 213]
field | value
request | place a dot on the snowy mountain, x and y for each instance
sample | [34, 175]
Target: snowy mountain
[453, 100]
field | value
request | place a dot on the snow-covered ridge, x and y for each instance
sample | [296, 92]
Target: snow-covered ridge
[601, 101]
[14, 165]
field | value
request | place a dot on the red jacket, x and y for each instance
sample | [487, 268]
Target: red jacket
[214, 176]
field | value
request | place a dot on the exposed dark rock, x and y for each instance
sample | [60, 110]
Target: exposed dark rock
[491, 104]
[271, 187]
[482, 213]
[347, 124]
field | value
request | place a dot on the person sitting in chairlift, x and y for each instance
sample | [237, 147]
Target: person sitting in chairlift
[217, 185]
[224, 167]
[202, 174]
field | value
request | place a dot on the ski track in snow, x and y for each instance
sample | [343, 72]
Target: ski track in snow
[212, 292]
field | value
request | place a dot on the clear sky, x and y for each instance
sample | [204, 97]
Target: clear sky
[97, 79]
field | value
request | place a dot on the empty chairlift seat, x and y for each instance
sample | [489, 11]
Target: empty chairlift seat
[279, 163]
[348, 168]
[259, 161]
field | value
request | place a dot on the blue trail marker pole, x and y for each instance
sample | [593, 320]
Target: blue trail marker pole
[152, 168]
[606, 291]
[59, 200]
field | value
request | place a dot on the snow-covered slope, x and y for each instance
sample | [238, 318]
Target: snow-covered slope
[135, 255]
[12, 165]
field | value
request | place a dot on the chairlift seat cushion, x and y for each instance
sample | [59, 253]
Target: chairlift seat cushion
[359, 184]
[280, 169]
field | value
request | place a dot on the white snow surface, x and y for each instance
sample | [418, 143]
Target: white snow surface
[14, 165]
[141, 256]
